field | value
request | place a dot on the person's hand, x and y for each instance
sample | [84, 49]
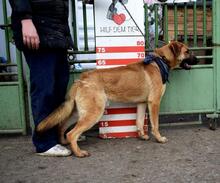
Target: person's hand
[30, 35]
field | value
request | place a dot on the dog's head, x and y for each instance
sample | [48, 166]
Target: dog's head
[177, 54]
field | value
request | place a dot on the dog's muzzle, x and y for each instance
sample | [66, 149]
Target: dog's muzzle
[187, 62]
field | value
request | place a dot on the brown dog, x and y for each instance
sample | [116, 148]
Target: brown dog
[139, 83]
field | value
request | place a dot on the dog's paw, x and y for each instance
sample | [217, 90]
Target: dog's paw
[162, 140]
[82, 154]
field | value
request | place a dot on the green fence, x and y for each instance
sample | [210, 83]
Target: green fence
[193, 91]
[12, 104]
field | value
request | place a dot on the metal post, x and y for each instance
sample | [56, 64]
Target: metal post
[216, 49]
[175, 22]
[216, 56]
[85, 27]
[146, 27]
[7, 46]
[74, 24]
[156, 25]
[21, 90]
[185, 23]
[204, 23]
[166, 23]
[194, 24]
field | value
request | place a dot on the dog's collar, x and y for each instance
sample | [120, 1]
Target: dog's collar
[164, 68]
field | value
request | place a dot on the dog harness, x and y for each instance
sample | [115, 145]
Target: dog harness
[164, 68]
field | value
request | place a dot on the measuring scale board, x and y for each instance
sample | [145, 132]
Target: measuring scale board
[119, 27]
[119, 121]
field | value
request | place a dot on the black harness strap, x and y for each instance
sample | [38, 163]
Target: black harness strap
[164, 68]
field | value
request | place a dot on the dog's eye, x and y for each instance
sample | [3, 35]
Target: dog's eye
[187, 52]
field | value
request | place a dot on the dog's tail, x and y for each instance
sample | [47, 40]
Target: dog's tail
[60, 114]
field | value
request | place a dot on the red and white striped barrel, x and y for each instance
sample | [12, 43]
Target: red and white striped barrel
[120, 122]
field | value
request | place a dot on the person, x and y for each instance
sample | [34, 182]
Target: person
[41, 31]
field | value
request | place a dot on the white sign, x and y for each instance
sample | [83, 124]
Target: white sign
[119, 40]
[119, 18]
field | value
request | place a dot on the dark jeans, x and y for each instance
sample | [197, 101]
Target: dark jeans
[49, 76]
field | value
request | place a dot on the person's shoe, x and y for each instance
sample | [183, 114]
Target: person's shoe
[57, 150]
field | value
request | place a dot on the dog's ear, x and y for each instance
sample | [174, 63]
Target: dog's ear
[175, 48]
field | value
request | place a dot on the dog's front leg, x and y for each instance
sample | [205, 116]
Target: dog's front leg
[141, 110]
[154, 119]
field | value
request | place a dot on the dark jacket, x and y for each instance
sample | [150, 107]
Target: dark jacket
[50, 18]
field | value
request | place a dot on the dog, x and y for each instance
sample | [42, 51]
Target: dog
[142, 82]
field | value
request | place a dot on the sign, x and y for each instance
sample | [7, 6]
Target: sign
[119, 18]
[119, 41]
[119, 28]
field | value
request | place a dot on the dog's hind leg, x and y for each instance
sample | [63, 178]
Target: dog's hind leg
[154, 119]
[61, 130]
[141, 110]
[84, 123]
[90, 111]
[65, 126]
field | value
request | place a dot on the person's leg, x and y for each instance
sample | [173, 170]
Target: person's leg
[42, 67]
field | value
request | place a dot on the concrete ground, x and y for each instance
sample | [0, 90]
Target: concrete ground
[192, 154]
